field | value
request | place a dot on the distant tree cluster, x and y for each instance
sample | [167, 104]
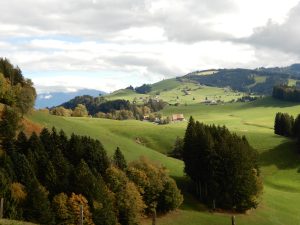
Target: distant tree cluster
[284, 92]
[102, 108]
[79, 111]
[15, 90]
[223, 167]
[46, 178]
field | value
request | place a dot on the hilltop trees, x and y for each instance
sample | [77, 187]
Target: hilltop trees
[144, 89]
[222, 166]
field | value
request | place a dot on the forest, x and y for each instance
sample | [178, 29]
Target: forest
[46, 177]
[223, 167]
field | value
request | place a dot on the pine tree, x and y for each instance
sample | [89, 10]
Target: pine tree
[85, 182]
[37, 208]
[189, 147]
[11, 209]
[277, 124]
[119, 159]
[21, 143]
[178, 148]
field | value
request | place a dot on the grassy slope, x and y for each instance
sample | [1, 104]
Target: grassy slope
[170, 89]
[13, 222]
[280, 162]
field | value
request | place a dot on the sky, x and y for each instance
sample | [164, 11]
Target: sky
[111, 44]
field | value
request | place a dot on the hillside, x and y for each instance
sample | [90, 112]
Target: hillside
[220, 85]
[178, 91]
[278, 158]
[259, 81]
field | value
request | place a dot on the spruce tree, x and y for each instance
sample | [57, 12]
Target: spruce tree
[277, 124]
[119, 159]
[21, 143]
[37, 208]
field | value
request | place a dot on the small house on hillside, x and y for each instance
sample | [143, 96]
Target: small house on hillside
[177, 117]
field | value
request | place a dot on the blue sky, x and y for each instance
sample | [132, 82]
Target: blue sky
[110, 44]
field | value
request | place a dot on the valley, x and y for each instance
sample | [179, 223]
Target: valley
[279, 159]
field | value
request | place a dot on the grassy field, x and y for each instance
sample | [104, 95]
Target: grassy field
[13, 222]
[279, 160]
[173, 91]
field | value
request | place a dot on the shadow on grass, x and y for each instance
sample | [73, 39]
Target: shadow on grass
[190, 202]
[284, 156]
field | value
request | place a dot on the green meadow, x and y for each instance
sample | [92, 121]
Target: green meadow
[173, 91]
[279, 159]
[13, 222]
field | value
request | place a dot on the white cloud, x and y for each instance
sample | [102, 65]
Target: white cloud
[141, 41]
[283, 36]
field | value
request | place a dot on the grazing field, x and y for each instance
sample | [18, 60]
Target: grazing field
[173, 91]
[280, 162]
[13, 222]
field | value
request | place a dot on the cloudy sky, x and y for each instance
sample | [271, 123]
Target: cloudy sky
[110, 44]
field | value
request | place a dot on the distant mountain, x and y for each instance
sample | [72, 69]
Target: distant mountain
[57, 98]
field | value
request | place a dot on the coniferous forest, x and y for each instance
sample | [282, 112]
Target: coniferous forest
[223, 167]
[46, 177]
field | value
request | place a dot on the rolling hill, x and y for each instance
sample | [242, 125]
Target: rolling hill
[278, 158]
[182, 91]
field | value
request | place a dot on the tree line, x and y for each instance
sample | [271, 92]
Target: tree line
[143, 89]
[102, 108]
[287, 93]
[287, 125]
[45, 178]
[223, 166]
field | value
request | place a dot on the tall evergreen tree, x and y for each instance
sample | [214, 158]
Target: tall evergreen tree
[119, 159]
[37, 207]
